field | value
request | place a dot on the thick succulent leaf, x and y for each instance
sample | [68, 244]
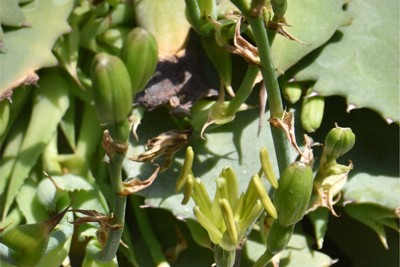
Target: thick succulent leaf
[29, 205]
[50, 104]
[70, 182]
[376, 217]
[313, 22]
[166, 21]
[11, 14]
[29, 49]
[319, 219]
[375, 201]
[59, 243]
[361, 62]
[378, 190]
[46, 190]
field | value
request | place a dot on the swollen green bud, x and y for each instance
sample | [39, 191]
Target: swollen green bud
[111, 89]
[140, 54]
[186, 169]
[267, 167]
[293, 195]
[230, 179]
[113, 39]
[312, 113]
[292, 92]
[263, 195]
[338, 142]
[230, 223]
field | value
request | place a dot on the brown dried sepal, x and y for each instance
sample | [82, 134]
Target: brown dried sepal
[166, 144]
[111, 147]
[286, 123]
[105, 222]
[279, 28]
[134, 185]
[242, 47]
[328, 189]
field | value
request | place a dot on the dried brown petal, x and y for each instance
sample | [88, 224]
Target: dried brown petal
[243, 48]
[135, 185]
[167, 144]
[286, 123]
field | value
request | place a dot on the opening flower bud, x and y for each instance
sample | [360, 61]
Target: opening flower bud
[338, 142]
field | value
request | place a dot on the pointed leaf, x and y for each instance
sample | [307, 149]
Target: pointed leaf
[29, 49]
[50, 104]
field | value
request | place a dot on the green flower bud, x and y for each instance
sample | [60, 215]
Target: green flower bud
[267, 167]
[292, 92]
[263, 195]
[232, 231]
[293, 195]
[140, 54]
[111, 89]
[186, 169]
[312, 113]
[338, 142]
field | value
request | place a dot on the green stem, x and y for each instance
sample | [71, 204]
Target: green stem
[147, 232]
[274, 94]
[264, 259]
[224, 258]
[244, 91]
[119, 203]
[243, 5]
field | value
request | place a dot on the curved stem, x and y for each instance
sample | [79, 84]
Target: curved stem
[244, 91]
[264, 259]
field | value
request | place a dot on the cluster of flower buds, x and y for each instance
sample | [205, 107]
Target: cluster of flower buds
[228, 217]
[116, 80]
[332, 176]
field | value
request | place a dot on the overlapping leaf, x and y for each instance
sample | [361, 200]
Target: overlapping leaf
[312, 22]
[26, 50]
[362, 62]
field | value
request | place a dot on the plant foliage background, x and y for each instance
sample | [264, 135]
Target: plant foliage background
[48, 123]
